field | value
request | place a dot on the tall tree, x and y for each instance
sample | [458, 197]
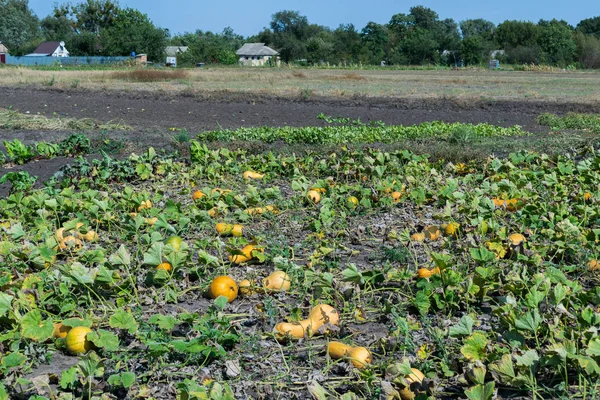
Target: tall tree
[132, 31]
[346, 44]
[19, 26]
[477, 42]
[375, 38]
[590, 26]
[556, 41]
[290, 31]
[477, 27]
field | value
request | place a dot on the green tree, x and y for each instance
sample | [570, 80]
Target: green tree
[132, 31]
[420, 47]
[556, 41]
[346, 44]
[289, 34]
[19, 26]
[477, 40]
[375, 38]
[511, 34]
[590, 26]
[477, 27]
[588, 50]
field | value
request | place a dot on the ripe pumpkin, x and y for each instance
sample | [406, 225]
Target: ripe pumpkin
[223, 286]
[278, 281]
[70, 243]
[252, 175]
[245, 288]
[318, 316]
[427, 273]
[313, 196]
[432, 233]
[451, 229]
[417, 237]
[516, 239]
[246, 254]
[197, 195]
[594, 265]
[415, 376]
[77, 342]
[396, 196]
[587, 196]
[60, 331]
[151, 221]
[89, 236]
[359, 356]
[224, 229]
[261, 210]
[165, 266]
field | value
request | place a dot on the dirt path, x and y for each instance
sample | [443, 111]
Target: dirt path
[157, 111]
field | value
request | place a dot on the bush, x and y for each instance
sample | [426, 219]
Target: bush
[524, 55]
[588, 50]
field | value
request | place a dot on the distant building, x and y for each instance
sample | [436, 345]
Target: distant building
[173, 51]
[496, 53]
[3, 53]
[256, 54]
[50, 49]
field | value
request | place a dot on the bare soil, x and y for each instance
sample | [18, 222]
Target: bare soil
[153, 115]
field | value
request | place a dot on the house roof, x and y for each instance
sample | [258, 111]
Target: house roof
[172, 51]
[46, 48]
[3, 48]
[256, 49]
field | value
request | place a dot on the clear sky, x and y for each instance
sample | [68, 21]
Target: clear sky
[248, 17]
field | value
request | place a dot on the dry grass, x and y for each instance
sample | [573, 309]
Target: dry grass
[460, 85]
[18, 121]
[150, 75]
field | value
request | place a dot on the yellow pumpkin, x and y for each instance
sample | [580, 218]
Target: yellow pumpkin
[60, 331]
[252, 175]
[313, 196]
[223, 286]
[77, 342]
[278, 281]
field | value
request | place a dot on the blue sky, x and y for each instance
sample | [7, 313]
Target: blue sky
[249, 17]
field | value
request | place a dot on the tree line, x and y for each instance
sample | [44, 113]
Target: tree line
[102, 27]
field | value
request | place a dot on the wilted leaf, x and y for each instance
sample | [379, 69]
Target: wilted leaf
[474, 347]
[481, 392]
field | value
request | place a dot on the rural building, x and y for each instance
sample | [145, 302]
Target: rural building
[256, 54]
[3, 53]
[141, 59]
[50, 49]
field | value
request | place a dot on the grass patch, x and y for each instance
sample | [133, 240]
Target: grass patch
[151, 75]
[588, 122]
[15, 120]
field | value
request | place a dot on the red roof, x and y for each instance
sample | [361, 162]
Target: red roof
[46, 48]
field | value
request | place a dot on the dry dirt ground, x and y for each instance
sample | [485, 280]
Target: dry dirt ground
[154, 115]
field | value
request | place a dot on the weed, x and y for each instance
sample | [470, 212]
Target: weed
[151, 75]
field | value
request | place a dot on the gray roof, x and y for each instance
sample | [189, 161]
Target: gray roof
[172, 51]
[256, 49]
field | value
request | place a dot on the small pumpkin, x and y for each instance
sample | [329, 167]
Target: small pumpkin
[223, 286]
[313, 196]
[516, 239]
[415, 376]
[252, 175]
[425, 273]
[198, 194]
[60, 331]
[77, 342]
[432, 233]
[359, 356]
[278, 281]
[165, 266]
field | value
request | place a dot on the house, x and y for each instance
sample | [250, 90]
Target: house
[50, 49]
[3, 53]
[256, 54]
[173, 51]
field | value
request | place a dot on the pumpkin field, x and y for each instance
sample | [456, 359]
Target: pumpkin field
[345, 269]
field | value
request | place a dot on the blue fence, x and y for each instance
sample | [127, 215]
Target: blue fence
[35, 61]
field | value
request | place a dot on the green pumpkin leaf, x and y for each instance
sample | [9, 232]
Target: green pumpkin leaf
[474, 348]
[122, 319]
[104, 339]
[35, 328]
